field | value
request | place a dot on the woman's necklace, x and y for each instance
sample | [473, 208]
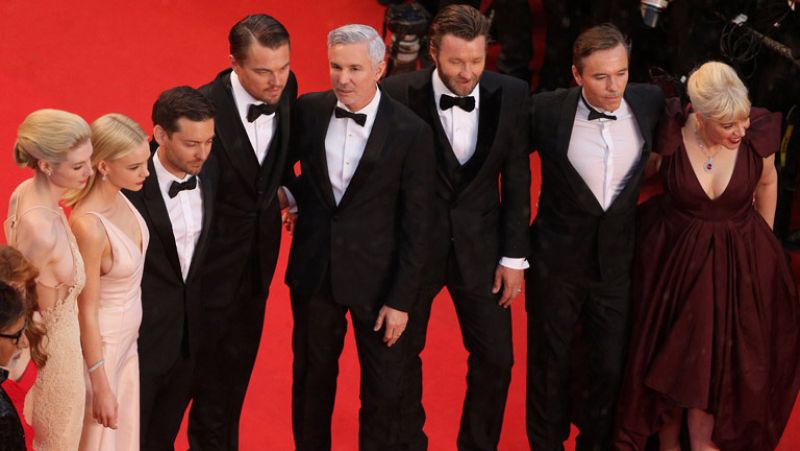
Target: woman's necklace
[708, 166]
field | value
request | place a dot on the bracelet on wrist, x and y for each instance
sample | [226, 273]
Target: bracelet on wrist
[96, 365]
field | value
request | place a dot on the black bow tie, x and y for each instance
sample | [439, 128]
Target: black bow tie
[254, 111]
[177, 187]
[360, 118]
[594, 114]
[465, 103]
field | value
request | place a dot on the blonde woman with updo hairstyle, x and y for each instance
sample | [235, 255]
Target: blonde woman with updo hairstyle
[56, 146]
[715, 333]
[113, 239]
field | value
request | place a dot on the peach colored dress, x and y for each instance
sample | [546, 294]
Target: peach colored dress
[119, 317]
[54, 405]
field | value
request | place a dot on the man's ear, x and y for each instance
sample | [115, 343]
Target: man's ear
[433, 53]
[577, 76]
[380, 70]
[160, 134]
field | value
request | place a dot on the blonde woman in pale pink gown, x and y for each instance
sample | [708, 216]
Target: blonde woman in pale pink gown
[55, 144]
[113, 239]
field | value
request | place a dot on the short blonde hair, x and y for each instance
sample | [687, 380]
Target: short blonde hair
[717, 92]
[48, 135]
[114, 136]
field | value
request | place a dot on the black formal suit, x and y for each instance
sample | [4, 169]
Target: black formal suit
[580, 274]
[365, 252]
[243, 253]
[470, 231]
[169, 336]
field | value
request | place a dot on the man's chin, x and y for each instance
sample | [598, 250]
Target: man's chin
[463, 90]
[272, 98]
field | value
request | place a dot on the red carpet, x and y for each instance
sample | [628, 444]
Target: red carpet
[102, 56]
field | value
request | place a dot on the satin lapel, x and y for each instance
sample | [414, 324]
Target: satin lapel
[207, 192]
[566, 120]
[318, 162]
[488, 120]
[565, 125]
[422, 102]
[640, 114]
[372, 151]
[232, 134]
[159, 218]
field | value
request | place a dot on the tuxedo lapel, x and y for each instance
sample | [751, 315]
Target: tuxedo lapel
[207, 193]
[231, 132]
[157, 210]
[488, 120]
[566, 121]
[640, 114]
[372, 150]
[422, 102]
[318, 163]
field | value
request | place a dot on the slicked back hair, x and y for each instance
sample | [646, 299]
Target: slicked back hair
[258, 27]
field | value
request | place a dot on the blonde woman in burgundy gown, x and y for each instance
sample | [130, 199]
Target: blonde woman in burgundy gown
[715, 333]
[56, 145]
[113, 239]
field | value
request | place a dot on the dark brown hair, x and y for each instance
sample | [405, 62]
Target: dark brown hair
[601, 37]
[178, 102]
[15, 269]
[261, 27]
[461, 21]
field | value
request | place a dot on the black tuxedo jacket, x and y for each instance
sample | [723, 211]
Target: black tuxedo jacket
[172, 308]
[572, 234]
[247, 225]
[373, 244]
[467, 209]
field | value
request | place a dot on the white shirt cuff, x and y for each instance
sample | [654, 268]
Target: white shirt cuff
[514, 263]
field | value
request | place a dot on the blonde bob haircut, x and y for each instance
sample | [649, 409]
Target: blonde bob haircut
[48, 135]
[717, 93]
[114, 136]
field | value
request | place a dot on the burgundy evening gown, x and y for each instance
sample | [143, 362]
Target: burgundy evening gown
[715, 307]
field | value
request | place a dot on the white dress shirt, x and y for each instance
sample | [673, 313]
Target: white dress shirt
[345, 143]
[461, 127]
[185, 213]
[260, 131]
[604, 151]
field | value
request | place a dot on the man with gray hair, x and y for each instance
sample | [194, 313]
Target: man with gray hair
[364, 196]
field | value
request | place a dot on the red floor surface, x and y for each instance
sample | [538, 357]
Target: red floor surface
[94, 57]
